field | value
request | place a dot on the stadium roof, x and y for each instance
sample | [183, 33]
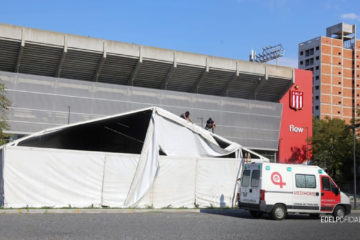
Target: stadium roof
[46, 53]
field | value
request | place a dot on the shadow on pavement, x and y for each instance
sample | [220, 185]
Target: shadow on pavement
[239, 213]
[228, 212]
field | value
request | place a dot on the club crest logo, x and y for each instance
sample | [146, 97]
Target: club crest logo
[296, 99]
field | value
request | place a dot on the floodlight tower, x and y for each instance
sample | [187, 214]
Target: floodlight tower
[268, 53]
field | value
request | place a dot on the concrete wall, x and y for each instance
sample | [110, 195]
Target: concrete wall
[40, 102]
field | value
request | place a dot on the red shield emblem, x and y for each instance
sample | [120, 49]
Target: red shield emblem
[296, 100]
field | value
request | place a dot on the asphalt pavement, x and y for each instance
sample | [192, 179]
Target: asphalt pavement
[171, 225]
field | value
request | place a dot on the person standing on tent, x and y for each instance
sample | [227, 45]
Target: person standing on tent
[210, 125]
[186, 116]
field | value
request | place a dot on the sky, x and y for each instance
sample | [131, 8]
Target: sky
[224, 28]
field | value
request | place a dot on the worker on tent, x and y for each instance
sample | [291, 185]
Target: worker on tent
[186, 116]
[210, 125]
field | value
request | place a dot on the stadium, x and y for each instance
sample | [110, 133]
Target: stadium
[53, 79]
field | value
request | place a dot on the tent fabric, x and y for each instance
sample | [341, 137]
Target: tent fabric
[47, 178]
[195, 171]
[67, 178]
[168, 133]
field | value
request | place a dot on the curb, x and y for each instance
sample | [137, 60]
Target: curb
[82, 210]
[122, 211]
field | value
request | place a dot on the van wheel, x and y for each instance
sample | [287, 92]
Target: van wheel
[256, 214]
[278, 212]
[339, 212]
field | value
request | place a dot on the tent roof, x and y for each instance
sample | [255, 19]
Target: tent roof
[137, 135]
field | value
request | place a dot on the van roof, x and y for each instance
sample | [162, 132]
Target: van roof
[287, 164]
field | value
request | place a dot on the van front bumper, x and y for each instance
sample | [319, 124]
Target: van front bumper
[347, 209]
[262, 207]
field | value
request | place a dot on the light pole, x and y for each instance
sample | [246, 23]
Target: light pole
[307, 144]
[353, 127]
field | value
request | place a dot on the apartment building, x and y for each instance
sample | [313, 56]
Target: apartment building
[334, 61]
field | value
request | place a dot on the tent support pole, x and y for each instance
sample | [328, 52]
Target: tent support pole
[103, 183]
[196, 176]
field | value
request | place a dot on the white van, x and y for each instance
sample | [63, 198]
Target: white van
[279, 189]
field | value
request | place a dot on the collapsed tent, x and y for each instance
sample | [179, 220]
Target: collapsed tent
[144, 158]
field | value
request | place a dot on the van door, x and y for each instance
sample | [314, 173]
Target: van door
[255, 185]
[245, 186]
[250, 186]
[330, 194]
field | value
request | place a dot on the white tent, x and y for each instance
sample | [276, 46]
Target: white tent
[143, 158]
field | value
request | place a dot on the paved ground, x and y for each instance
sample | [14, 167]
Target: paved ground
[154, 225]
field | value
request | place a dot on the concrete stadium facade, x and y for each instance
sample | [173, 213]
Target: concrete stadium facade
[49, 75]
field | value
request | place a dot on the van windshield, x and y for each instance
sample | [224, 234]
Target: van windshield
[246, 178]
[255, 178]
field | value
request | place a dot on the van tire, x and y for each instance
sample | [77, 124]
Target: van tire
[278, 212]
[339, 211]
[256, 214]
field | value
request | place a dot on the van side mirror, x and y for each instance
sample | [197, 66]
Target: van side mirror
[336, 191]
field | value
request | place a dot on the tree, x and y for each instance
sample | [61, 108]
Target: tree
[4, 107]
[332, 147]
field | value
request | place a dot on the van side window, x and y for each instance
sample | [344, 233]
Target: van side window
[325, 184]
[310, 181]
[255, 178]
[245, 179]
[305, 181]
[332, 186]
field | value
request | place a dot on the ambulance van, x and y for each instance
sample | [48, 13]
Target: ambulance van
[278, 189]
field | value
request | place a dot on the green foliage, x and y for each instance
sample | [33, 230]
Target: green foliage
[4, 106]
[332, 147]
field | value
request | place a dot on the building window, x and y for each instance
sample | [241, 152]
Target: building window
[317, 48]
[317, 97]
[309, 52]
[309, 61]
[301, 62]
[316, 77]
[301, 53]
[316, 107]
[317, 67]
[317, 87]
[317, 57]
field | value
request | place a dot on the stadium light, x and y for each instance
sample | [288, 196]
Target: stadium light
[268, 53]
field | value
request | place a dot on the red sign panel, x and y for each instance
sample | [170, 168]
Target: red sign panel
[296, 99]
